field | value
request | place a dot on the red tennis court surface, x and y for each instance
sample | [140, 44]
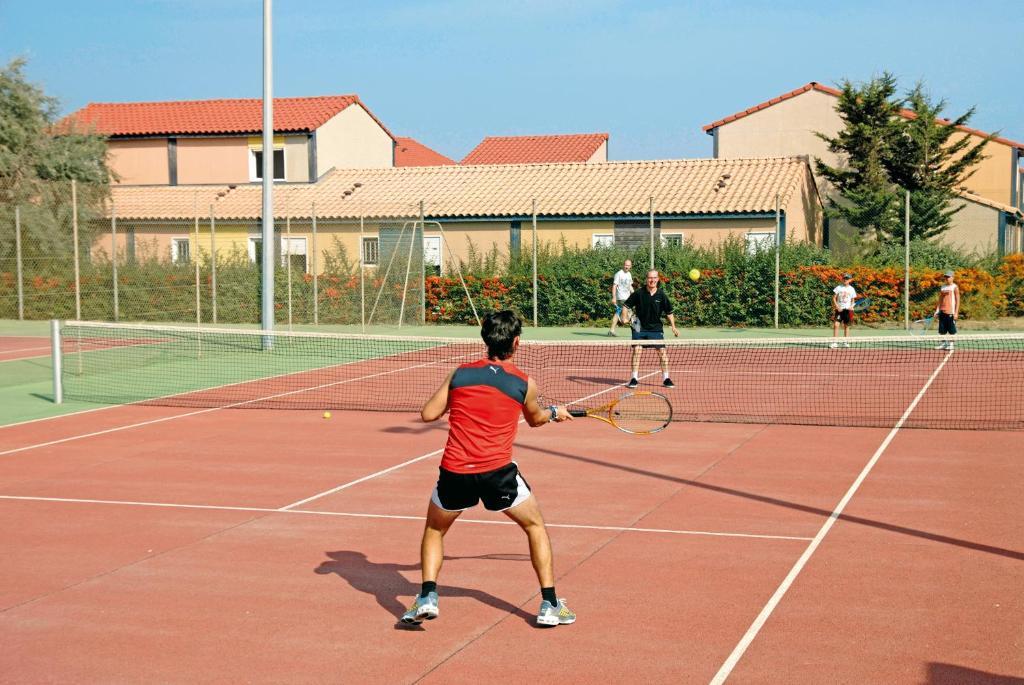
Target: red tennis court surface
[23, 347]
[157, 544]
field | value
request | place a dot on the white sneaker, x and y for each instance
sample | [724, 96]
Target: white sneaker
[846, 344]
[834, 345]
[941, 346]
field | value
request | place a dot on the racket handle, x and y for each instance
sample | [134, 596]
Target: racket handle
[577, 412]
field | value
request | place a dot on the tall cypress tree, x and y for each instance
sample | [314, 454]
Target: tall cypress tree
[932, 158]
[867, 197]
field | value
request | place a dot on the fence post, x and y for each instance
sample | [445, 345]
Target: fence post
[195, 260]
[778, 253]
[652, 231]
[17, 256]
[423, 266]
[362, 279]
[534, 212]
[74, 238]
[316, 298]
[213, 267]
[906, 261]
[288, 262]
[113, 259]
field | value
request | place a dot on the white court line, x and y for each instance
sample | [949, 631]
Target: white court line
[395, 517]
[755, 627]
[420, 458]
[210, 409]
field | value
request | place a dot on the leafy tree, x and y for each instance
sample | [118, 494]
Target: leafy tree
[39, 156]
[890, 145]
[932, 158]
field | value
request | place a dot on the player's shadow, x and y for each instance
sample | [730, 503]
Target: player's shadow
[418, 428]
[387, 584]
[603, 382]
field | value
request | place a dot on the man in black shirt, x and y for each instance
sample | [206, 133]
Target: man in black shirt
[649, 304]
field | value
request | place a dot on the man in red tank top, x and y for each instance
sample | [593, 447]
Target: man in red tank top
[484, 400]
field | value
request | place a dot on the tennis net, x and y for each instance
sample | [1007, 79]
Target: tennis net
[979, 385]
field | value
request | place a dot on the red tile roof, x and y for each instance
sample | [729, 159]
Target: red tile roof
[208, 116]
[814, 85]
[536, 149]
[411, 152]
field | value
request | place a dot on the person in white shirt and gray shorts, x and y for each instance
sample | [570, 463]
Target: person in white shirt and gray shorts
[842, 310]
[622, 288]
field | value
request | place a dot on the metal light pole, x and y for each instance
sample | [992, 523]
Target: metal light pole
[267, 282]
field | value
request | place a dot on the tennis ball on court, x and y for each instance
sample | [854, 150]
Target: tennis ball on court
[327, 414]
[694, 274]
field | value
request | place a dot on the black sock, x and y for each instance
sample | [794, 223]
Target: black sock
[548, 593]
[428, 586]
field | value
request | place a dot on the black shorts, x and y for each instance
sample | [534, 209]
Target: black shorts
[844, 316]
[500, 489]
[947, 324]
[649, 335]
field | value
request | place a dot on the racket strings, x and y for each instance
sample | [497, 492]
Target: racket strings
[642, 413]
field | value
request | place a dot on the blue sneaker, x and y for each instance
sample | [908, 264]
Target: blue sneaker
[550, 615]
[422, 608]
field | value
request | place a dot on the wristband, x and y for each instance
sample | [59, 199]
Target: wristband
[554, 413]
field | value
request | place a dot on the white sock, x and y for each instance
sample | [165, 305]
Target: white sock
[664, 375]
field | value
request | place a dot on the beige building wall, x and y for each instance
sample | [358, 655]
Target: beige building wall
[139, 162]
[785, 129]
[600, 154]
[296, 159]
[993, 176]
[352, 139]
[213, 160]
[975, 228]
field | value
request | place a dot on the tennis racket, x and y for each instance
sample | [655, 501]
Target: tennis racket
[636, 413]
[921, 326]
[861, 305]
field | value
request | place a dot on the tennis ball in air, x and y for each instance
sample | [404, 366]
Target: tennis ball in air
[327, 414]
[694, 274]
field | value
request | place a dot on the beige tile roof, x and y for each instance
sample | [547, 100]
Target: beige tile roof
[686, 186]
[978, 199]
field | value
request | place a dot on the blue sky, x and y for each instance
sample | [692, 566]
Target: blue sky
[450, 72]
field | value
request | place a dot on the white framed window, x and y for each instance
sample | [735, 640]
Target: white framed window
[371, 250]
[256, 250]
[432, 254]
[672, 239]
[180, 251]
[602, 240]
[256, 164]
[760, 241]
[294, 250]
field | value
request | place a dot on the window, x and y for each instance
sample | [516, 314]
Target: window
[256, 164]
[371, 250]
[180, 253]
[294, 251]
[432, 255]
[602, 240]
[256, 250]
[671, 239]
[634, 233]
[129, 245]
[515, 232]
[760, 241]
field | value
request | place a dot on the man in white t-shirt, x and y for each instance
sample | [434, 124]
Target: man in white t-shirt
[622, 288]
[842, 309]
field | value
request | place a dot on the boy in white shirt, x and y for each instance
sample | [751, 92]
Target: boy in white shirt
[947, 311]
[842, 308]
[622, 288]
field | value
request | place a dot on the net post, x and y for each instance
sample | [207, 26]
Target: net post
[778, 253]
[906, 261]
[213, 266]
[17, 256]
[316, 299]
[55, 355]
[534, 213]
[74, 239]
[113, 260]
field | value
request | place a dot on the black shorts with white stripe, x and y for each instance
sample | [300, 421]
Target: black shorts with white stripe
[500, 489]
